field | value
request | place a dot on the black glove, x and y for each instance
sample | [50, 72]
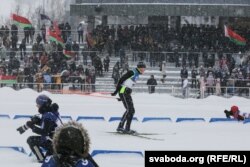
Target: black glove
[113, 94]
[227, 113]
[30, 124]
[22, 129]
[36, 119]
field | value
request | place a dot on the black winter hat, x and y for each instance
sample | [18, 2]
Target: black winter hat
[141, 65]
[71, 139]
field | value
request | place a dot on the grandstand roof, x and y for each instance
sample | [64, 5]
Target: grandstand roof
[227, 8]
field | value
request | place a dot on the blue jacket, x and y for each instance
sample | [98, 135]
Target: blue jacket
[51, 162]
[47, 124]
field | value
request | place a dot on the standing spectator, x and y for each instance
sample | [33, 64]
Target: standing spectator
[210, 83]
[106, 62]
[122, 55]
[163, 71]
[117, 46]
[14, 40]
[22, 48]
[80, 33]
[7, 31]
[2, 52]
[67, 31]
[194, 74]
[196, 56]
[76, 49]
[14, 30]
[202, 71]
[92, 75]
[240, 83]
[176, 56]
[85, 56]
[110, 46]
[223, 62]
[184, 74]
[2, 32]
[211, 58]
[151, 84]
[38, 39]
[116, 73]
[217, 87]
[31, 34]
[202, 87]
[43, 32]
[26, 34]
[43, 59]
[183, 55]
[190, 57]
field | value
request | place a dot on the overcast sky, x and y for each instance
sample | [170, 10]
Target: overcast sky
[9, 5]
[5, 7]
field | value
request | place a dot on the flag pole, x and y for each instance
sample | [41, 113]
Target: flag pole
[43, 7]
[39, 18]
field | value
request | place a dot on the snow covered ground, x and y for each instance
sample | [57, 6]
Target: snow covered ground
[189, 135]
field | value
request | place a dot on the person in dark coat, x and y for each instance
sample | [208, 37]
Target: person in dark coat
[106, 62]
[194, 74]
[151, 84]
[184, 74]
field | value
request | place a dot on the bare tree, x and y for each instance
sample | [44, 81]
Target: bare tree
[18, 7]
[56, 10]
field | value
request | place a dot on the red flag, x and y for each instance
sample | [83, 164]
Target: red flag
[68, 53]
[53, 36]
[21, 21]
[58, 31]
[236, 38]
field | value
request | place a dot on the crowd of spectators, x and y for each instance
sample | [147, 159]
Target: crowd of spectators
[224, 77]
[187, 46]
[169, 44]
[46, 63]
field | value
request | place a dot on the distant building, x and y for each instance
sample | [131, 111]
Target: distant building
[175, 13]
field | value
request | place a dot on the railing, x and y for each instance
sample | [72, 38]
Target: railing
[84, 88]
[152, 57]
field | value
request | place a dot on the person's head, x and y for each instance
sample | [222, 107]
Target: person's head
[234, 109]
[141, 67]
[71, 139]
[152, 76]
[43, 101]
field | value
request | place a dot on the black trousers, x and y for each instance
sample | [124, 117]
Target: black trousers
[130, 110]
[37, 145]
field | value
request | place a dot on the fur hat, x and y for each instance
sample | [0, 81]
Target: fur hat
[71, 139]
